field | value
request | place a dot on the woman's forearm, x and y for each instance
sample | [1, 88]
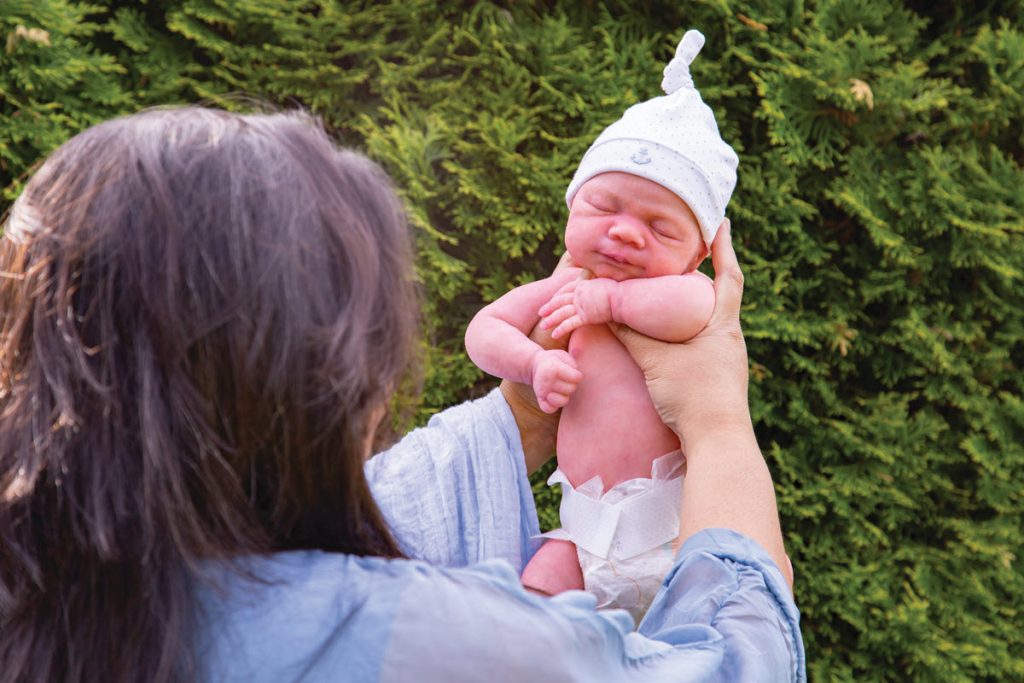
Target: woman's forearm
[728, 485]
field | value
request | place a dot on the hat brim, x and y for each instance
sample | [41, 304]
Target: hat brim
[659, 164]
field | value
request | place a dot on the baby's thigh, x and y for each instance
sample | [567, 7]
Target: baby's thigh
[554, 568]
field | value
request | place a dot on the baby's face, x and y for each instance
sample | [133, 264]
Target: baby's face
[622, 226]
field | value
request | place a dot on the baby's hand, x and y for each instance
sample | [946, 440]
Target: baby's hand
[555, 378]
[578, 303]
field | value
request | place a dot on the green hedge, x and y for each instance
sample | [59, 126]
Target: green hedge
[878, 217]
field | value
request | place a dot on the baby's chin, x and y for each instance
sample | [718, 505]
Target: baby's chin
[619, 271]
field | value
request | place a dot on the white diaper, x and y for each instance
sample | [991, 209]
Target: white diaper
[624, 537]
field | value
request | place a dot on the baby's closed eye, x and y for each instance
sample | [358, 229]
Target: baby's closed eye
[601, 203]
[666, 230]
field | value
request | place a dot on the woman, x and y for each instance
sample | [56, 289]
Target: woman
[203, 316]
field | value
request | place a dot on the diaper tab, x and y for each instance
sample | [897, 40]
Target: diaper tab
[645, 519]
[589, 522]
[649, 520]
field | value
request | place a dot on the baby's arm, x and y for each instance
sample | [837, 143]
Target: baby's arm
[672, 308]
[497, 340]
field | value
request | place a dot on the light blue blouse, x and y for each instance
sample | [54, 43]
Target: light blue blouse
[457, 496]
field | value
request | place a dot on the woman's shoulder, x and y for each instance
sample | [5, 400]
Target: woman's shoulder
[269, 618]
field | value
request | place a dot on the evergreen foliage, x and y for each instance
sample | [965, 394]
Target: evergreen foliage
[878, 216]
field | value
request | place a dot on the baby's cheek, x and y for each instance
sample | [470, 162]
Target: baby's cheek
[572, 246]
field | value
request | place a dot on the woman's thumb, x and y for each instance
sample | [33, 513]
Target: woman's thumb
[728, 276]
[641, 347]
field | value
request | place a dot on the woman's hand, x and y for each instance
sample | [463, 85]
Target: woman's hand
[700, 386]
[700, 390]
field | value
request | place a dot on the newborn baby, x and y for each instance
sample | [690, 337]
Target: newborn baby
[644, 206]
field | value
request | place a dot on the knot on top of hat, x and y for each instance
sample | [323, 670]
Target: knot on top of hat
[677, 73]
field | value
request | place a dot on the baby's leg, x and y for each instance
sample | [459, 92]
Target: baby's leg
[554, 568]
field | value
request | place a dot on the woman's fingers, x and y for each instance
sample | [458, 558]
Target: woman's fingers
[564, 262]
[642, 348]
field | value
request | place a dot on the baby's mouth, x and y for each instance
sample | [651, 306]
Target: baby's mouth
[617, 259]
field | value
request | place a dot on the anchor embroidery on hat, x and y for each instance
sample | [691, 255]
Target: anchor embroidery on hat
[640, 156]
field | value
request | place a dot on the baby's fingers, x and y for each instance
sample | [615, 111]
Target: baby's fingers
[567, 326]
[545, 405]
[555, 302]
[554, 401]
[555, 317]
[568, 287]
[568, 373]
[564, 388]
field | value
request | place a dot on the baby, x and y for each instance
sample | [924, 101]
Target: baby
[644, 206]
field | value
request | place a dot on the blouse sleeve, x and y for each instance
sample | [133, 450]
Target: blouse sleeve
[727, 581]
[724, 614]
[455, 492]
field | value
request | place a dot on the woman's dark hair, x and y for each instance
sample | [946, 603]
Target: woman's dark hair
[200, 313]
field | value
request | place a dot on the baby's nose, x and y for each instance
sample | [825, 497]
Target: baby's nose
[629, 232]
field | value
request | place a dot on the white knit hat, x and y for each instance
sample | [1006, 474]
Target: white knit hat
[672, 140]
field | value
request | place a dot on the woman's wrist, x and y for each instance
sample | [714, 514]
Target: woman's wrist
[721, 443]
[537, 429]
[711, 434]
[728, 485]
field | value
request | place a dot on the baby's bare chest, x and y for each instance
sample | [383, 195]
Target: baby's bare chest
[609, 427]
[611, 378]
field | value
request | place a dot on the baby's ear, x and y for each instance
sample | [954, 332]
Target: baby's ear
[702, 254]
